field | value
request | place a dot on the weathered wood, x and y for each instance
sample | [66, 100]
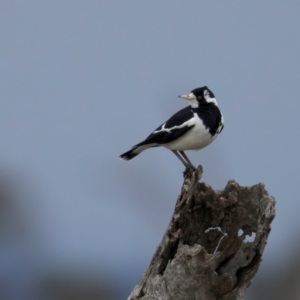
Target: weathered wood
[203, 254]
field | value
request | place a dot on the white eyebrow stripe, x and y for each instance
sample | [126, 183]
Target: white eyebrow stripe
[212, 100]
[188, 123]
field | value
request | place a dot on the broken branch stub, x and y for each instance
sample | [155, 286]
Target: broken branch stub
[204, 254]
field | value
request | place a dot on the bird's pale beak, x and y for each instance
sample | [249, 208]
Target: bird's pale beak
[187, 97]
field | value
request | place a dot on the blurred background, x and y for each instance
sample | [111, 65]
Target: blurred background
[83, 81]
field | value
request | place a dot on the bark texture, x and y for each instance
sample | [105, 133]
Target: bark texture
[204, 254]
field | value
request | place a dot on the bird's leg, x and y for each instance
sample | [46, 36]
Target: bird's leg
[181, 159]
[187, 159]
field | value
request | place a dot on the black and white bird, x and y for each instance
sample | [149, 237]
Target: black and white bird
[191, 128]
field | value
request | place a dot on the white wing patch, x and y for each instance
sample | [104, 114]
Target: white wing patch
[188, 123]
[197, 138]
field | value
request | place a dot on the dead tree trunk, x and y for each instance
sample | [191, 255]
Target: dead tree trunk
[203, 254]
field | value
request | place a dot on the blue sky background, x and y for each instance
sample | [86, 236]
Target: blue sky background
[83, 81]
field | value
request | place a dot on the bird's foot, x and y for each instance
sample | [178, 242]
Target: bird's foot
[192, 172]
[189, 169]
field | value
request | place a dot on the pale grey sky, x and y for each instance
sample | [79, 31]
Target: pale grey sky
[83, 81]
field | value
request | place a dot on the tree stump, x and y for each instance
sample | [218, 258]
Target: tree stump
[204, 254]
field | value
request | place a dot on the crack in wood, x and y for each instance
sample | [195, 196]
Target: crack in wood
[197, 261]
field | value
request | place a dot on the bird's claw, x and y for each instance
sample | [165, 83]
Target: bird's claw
[189, 169]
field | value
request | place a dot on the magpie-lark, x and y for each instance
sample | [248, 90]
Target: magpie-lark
[191, 128]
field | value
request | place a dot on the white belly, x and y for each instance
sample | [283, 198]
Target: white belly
[195, 139]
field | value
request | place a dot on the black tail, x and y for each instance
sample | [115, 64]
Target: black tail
[135, 150]
[129, 154]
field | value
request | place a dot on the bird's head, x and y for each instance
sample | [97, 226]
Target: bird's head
[200, 96]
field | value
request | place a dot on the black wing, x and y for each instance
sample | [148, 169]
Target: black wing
[169, 131]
